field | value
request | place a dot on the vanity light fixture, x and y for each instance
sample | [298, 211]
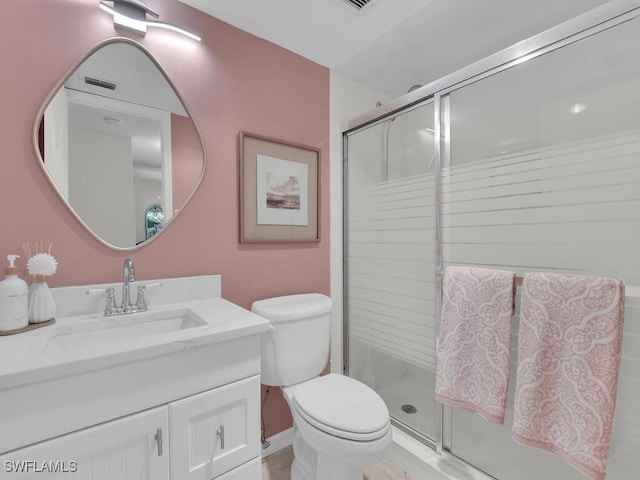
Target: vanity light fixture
[132, 15]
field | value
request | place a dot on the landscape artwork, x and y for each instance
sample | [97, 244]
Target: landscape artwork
[282, 192]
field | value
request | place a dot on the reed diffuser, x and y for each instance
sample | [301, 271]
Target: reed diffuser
[40, 264]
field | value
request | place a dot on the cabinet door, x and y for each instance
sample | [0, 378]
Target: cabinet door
[122, 449]
[215, 431]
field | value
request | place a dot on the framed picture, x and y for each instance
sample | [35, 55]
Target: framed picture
[278, 191]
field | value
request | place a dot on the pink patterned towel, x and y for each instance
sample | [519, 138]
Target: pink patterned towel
[474, 350]
[568, 361]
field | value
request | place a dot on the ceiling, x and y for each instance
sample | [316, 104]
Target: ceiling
[391, 45]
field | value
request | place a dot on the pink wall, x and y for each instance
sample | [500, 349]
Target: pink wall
[231, 81]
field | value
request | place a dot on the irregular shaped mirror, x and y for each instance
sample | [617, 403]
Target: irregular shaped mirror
[114, 137]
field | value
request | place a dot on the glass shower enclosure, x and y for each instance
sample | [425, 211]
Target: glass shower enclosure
[528, 162]
[390, 255]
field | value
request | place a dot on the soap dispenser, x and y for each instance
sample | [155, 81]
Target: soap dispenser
[14, 304]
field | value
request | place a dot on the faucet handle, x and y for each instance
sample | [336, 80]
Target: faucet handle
[96, 291]
[111, 308]
[141, 303]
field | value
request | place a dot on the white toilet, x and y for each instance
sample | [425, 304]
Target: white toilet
[340, 425]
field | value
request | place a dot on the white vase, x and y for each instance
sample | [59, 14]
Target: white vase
[41, 304]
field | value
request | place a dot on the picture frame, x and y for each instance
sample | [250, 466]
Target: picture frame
[279, 190]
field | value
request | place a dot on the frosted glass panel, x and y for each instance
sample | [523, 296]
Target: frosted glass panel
[544, 175]
[390, 263]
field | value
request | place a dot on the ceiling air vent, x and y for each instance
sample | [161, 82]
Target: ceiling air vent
[96, 82]
[358, 3]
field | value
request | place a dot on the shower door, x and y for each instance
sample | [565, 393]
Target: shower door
[389, 270]
[536, 169]
[542, 174]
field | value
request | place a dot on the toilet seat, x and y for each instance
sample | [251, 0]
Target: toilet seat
[341, 406]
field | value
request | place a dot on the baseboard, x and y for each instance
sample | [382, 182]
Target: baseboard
[278, 441]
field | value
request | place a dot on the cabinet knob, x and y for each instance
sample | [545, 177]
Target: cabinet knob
[220, 433]
[158, 438]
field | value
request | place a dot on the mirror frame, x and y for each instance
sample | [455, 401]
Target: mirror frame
[54, 91]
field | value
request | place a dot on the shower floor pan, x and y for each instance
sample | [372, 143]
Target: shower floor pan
[410, 392]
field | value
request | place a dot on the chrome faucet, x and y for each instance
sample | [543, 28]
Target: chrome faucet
[128, 275]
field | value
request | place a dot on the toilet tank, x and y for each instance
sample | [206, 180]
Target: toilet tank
[297, 347]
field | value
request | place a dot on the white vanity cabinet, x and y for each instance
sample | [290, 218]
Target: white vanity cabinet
[101, 392]
[116, 450]
[215, 431]
[202, 437]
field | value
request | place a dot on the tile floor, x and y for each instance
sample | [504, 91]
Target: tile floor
[278, 467]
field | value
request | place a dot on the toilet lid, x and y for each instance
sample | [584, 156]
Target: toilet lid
[342, 406]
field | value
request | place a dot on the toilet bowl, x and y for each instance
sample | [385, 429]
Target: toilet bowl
[341, 425]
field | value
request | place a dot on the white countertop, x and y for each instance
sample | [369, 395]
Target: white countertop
[27, 357]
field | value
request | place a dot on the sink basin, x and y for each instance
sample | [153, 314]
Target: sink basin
[109, 330]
